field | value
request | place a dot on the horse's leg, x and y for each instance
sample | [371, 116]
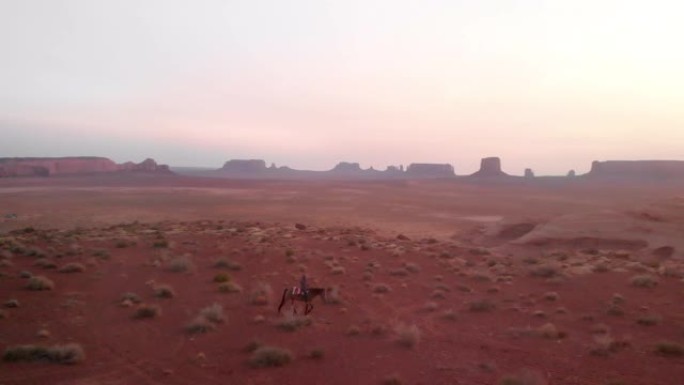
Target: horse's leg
[282, 301]
[309, 307]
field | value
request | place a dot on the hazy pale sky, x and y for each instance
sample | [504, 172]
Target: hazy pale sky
[550, 85]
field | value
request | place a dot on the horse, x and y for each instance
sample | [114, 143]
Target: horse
[296, 295]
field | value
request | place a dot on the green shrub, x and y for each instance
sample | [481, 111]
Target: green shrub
[267, 356]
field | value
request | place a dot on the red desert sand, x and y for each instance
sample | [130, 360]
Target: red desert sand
[126, 279]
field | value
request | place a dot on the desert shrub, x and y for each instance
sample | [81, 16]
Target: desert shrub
[393, 379]
[229, 287]
[399, 272]
[338, 270]
[381, 288]
[438, 294]
[40, 282]
[199, 325]
[604, 345]
[132, 297]
[551, 296]
[481, 306]
[180, 264]
[353, 330]
[267, 356]
[450, 315]
[644, 281]
[669, 349]
[225, 263]
[524, 377]
[549, 331]
[649, 319]
[289, 253]
[11, 303]
[292, 322]
[615, 310]
[72, 267]
[147, 311]
[260, 294]
[618, 299]
[213, 313]
[25, 274]
[430, 306]
[407, 335]
[3, 314]
[160, 244]
[6, 263]
[222, 277]
[253, 345]
[545, 271]
[412, 267]
[164, 291]
[120, 244]
[101, 253]
[59, 354]
[45, 263]
[367, 276]
[316, 354]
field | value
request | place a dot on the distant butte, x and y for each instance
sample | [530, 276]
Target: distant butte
[647, 169]
[490, 167]
[17, 167]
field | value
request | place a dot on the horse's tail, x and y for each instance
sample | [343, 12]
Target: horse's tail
[282, 301]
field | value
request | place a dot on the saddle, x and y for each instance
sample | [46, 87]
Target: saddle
[297, 291]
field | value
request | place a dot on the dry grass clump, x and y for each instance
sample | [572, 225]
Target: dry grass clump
[180, 264]
[25, 274]
[669, 349]
[58, 354]
[338, 270]
[206, 320]
[316, 354]
[525, 377]
[545, 271]
[291, 322]
[225, 263]
[481, 306]
[145, 311]
[164, 291]
[430, 306]
[45, 263]
[551, 296]
[381, 288]
[260, 294]
[615, 310]
[644, 280]
[229, 287]
[72, 267]
[130, 297]
[213, 313]
[199, 325]
[407, 335]
[399, 272]
[450, 315]
[353, 330]
[270, 356]
[39, 283]
[412, 267]
[604, 345]
[550, 331]
[649, 319]
[222, 277]
[393, 379]
[11, 303]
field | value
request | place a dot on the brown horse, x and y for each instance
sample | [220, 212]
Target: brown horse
[312, 293]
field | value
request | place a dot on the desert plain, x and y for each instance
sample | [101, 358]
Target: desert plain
[129, 279]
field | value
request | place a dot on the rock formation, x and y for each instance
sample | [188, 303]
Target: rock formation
[244, 166]
[529, 173]
[571, 174]
[658, 169]
[347, 167]
[430, 170]
[490, 167]
[12, 167]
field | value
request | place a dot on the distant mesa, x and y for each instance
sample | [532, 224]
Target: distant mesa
[244, 166]
[18, 167]
[430, 170]
[529, 173]
[347, 167]
[490, 167]
[653, 169]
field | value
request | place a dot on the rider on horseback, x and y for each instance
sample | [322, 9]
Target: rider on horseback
[304, 287]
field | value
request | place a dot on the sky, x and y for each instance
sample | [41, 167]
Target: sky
[549, 85]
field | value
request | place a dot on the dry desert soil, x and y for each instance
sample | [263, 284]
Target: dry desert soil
[177, 280]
